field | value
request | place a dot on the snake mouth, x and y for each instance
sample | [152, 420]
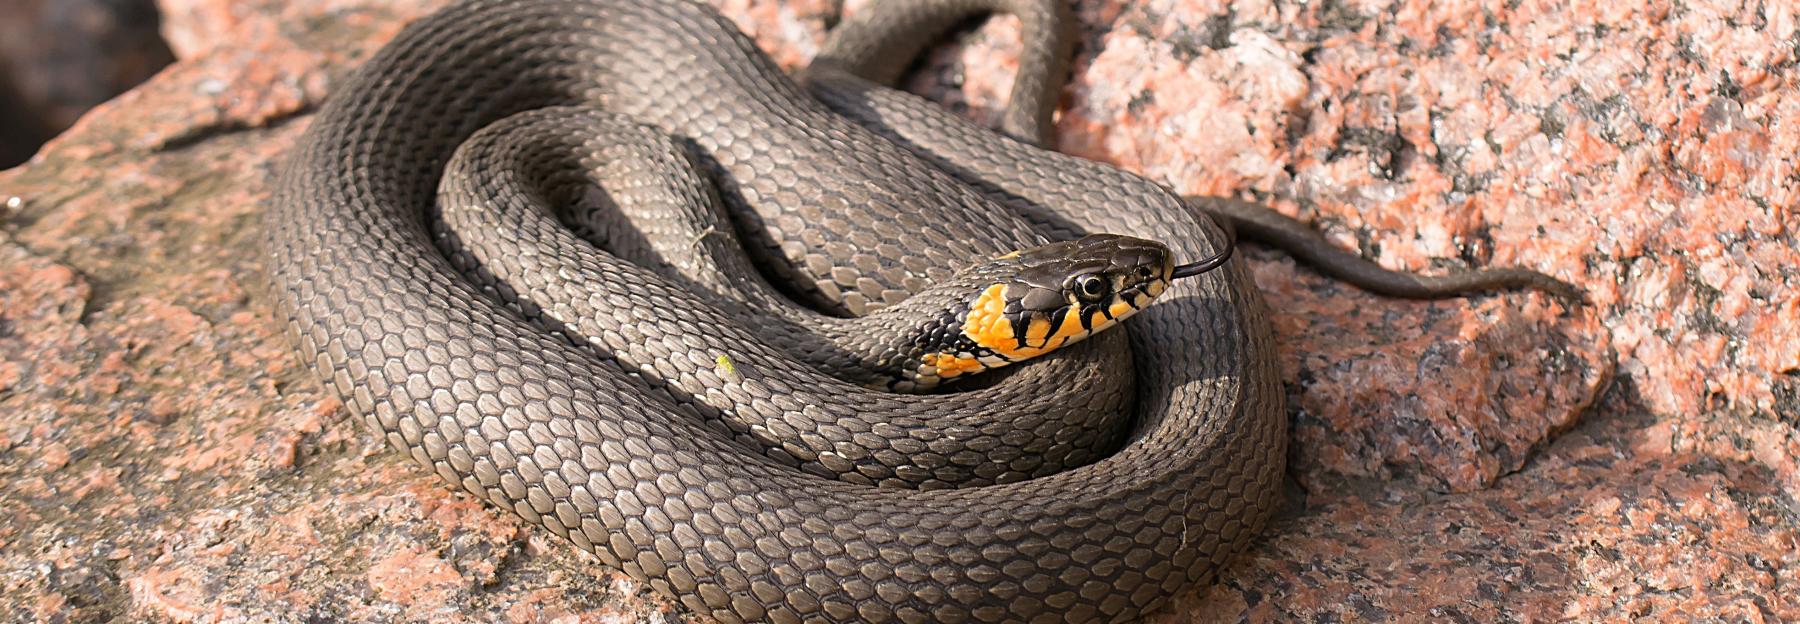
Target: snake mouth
[1139, 296]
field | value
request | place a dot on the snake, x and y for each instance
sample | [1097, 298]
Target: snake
[604, 265]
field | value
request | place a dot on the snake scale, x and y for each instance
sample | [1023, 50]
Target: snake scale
[683, 445]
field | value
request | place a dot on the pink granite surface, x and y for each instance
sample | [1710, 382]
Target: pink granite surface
[163, 457]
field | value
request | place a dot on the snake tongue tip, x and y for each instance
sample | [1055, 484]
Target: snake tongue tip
[1196, 268]
[1207, 264]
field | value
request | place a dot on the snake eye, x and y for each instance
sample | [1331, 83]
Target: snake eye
[1092, 287]
[1143, 273]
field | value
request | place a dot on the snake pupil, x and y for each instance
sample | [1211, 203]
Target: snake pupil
[1091, 286]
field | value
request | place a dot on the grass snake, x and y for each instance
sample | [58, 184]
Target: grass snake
[510, 243]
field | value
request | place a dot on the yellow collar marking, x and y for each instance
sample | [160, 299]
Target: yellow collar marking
[988, 326]
[948, 365]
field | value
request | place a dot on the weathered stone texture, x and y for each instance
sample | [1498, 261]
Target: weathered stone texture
[163, 456]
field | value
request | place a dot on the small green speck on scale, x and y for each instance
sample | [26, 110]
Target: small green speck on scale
[723, 366]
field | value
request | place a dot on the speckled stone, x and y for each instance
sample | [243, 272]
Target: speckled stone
[164, 457]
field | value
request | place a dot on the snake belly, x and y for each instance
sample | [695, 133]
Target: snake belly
[624, 468]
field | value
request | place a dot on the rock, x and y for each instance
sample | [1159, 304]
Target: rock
[60, 57]
[163, 456]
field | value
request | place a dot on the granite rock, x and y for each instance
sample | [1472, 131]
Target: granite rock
[164, 457]
[60, 57]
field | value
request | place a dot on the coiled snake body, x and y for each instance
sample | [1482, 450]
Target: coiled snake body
[671, 440]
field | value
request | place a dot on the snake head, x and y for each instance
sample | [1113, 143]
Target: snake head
[1041, 299]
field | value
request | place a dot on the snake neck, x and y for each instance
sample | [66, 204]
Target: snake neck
[912, 346]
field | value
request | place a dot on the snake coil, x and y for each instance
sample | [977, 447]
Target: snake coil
[711, 485]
